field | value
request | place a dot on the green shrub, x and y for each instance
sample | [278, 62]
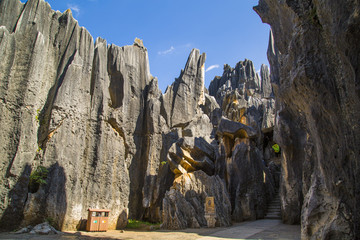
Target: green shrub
[137, 224]
[37, 115]
[38, 176]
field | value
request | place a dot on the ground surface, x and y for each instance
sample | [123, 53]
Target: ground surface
[261, 229]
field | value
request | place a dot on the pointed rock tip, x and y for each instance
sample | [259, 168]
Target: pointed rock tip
[100, 40]
[195, 57]
[139, 42]
[196, 51]
[68, 11]
[264, 67]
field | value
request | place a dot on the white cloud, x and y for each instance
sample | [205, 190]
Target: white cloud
[74, 8]
[212, 67]
[170, 50]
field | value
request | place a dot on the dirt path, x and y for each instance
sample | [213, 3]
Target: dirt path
[261, 229]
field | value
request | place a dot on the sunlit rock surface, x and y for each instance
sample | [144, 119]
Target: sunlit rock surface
[93, 116]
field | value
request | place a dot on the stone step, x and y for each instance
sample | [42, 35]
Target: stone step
[272, 217]
[273, 214]
[274, 209]
[276, 199]
[274, 206]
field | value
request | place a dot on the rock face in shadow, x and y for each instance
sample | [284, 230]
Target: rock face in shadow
[245, 137]
[317, 92]
[240, 162]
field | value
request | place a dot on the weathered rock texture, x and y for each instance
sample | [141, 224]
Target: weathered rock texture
[183, 204]
[94, 117]
[245, 138]
[192, 115]
[314, 56]
[183, 98]
[88, 113]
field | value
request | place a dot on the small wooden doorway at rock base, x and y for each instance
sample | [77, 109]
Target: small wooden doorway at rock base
[97, 220]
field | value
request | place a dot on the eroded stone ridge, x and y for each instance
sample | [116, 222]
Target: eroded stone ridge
[314, 57]
[74, 108]
[91, 117]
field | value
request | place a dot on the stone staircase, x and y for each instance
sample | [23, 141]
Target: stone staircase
[274, 208]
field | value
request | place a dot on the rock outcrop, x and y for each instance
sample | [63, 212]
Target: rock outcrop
[183, 204]
[243, 78]
[79, 110]
[191, 154]
[249, 181]
[245, 138]
[84, 125]
[183, 98]
[245, 97]
[314, 58]
[228, 149]
[192, 114]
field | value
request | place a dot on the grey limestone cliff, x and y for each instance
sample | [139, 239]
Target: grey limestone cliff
[76, 108]
[183, 98]
[92, 115]
[314, 58]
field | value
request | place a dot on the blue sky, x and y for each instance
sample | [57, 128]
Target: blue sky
[227, 30]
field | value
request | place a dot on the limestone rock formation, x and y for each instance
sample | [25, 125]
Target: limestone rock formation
[191, 154]
[266, 88]
[249, 182]
[183, 98]
[91, 118]
[245, 136]
[235, 129]
[77, 109]
[314, 58]
[245, 97]
[183, 204]
[243, 77]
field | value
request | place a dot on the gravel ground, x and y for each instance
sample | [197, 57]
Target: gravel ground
[261, 229]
